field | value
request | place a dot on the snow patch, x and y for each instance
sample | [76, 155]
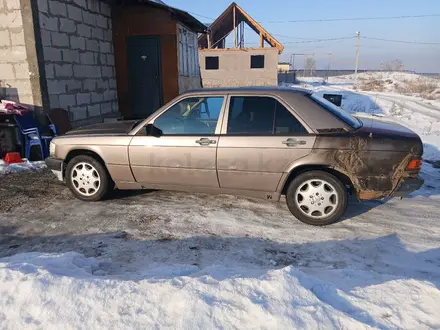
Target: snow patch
[21, 167]
[70, 291]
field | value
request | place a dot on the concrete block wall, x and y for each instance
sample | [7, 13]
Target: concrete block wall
[234, 68]
[78, 57]
[15, 81]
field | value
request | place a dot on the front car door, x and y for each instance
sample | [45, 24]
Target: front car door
[260, 137]
[185, 152]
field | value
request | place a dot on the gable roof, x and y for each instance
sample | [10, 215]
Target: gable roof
[223, 26]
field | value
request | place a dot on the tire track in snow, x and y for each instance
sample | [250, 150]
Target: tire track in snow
[411, 105]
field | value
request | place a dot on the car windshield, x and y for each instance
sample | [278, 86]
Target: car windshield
[337, 111]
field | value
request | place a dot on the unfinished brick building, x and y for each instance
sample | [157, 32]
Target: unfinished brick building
[96, 58]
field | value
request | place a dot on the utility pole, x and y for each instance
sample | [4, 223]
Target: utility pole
[330, 60]
[235, 31]
[358, 47]
[292, 61]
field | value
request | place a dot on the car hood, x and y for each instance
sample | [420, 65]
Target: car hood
[113, 128]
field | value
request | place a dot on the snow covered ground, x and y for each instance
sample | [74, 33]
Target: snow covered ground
[64, 291]
[21, 167]
[193, 261]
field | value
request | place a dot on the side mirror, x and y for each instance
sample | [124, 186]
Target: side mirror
[152, 130]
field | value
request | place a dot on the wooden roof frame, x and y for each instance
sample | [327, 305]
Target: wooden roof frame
[218, 30]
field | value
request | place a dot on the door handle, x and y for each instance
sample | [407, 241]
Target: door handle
[293, 142]
[205, 141]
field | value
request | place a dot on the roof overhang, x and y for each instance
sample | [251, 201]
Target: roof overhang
[180, 15]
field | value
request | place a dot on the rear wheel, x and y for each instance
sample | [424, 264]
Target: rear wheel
[317, 198]
[87, 178]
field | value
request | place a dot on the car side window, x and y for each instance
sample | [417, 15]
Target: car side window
[285, 122]
[251, 115]
[261, 116]
[192, 116]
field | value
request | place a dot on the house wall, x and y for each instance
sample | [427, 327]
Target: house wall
[234, 68]
[15, 77]
[144, 21]
[189, 68]
[283, 67]
[76, 39]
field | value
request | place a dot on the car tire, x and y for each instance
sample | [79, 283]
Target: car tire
[88, 179]
[317, 198]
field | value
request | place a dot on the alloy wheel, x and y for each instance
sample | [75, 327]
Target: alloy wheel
[317, 198]
[85, 179]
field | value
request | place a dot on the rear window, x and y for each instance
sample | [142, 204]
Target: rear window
[337, 111]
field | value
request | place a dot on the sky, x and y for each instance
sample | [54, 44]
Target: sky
[417, 57]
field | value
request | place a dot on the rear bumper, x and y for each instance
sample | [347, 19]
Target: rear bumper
[56, 166]
[408, 185]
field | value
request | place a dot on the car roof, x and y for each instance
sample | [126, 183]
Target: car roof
[251, 89]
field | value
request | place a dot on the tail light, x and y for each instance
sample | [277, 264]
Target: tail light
[414, 165]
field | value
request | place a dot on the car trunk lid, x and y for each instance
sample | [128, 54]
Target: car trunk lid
[388, 134]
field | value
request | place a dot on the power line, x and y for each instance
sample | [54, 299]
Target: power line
[317, 40]
[336, 19]
[403, 41]
[212, 19]
[351, 19]
[290, 37]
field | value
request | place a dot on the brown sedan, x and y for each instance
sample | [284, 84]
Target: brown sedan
[258, 142]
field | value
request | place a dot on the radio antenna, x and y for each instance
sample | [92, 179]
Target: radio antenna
[374, 109]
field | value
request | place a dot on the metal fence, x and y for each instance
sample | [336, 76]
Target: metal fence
[287, 77]
[294, 77]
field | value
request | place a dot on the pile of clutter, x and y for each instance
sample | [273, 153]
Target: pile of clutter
[12, 108]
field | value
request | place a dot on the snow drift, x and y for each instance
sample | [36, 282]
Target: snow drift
[69, 291]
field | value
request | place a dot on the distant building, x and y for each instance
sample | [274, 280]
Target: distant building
[240, 65]
[283, 67]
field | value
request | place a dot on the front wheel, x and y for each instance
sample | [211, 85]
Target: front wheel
[87, 178]
[317, 198]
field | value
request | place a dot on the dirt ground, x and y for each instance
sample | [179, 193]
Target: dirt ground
[39, 214]
[30, 190]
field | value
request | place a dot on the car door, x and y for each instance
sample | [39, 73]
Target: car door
[184, 151]
[260, 138]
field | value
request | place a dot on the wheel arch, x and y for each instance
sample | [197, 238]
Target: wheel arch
[313, 167]
[83, 152]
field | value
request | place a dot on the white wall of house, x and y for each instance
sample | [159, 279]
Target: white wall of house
[78, 57]
[15, 81]
[189, 68]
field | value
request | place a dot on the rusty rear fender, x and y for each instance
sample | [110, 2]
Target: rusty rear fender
[373, 166]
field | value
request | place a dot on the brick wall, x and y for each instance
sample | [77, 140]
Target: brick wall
[14, 70]
[78, 56]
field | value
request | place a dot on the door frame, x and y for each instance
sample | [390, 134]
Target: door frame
[152, 117]
[159, 58]
[224, 127]
[181, 143]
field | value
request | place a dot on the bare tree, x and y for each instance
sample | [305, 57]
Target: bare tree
[394, 65]
[310, 64]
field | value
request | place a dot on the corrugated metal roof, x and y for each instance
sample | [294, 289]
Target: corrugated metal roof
[181, 15]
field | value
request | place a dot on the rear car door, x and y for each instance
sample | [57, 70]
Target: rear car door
[184, 153]
[260, 137]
